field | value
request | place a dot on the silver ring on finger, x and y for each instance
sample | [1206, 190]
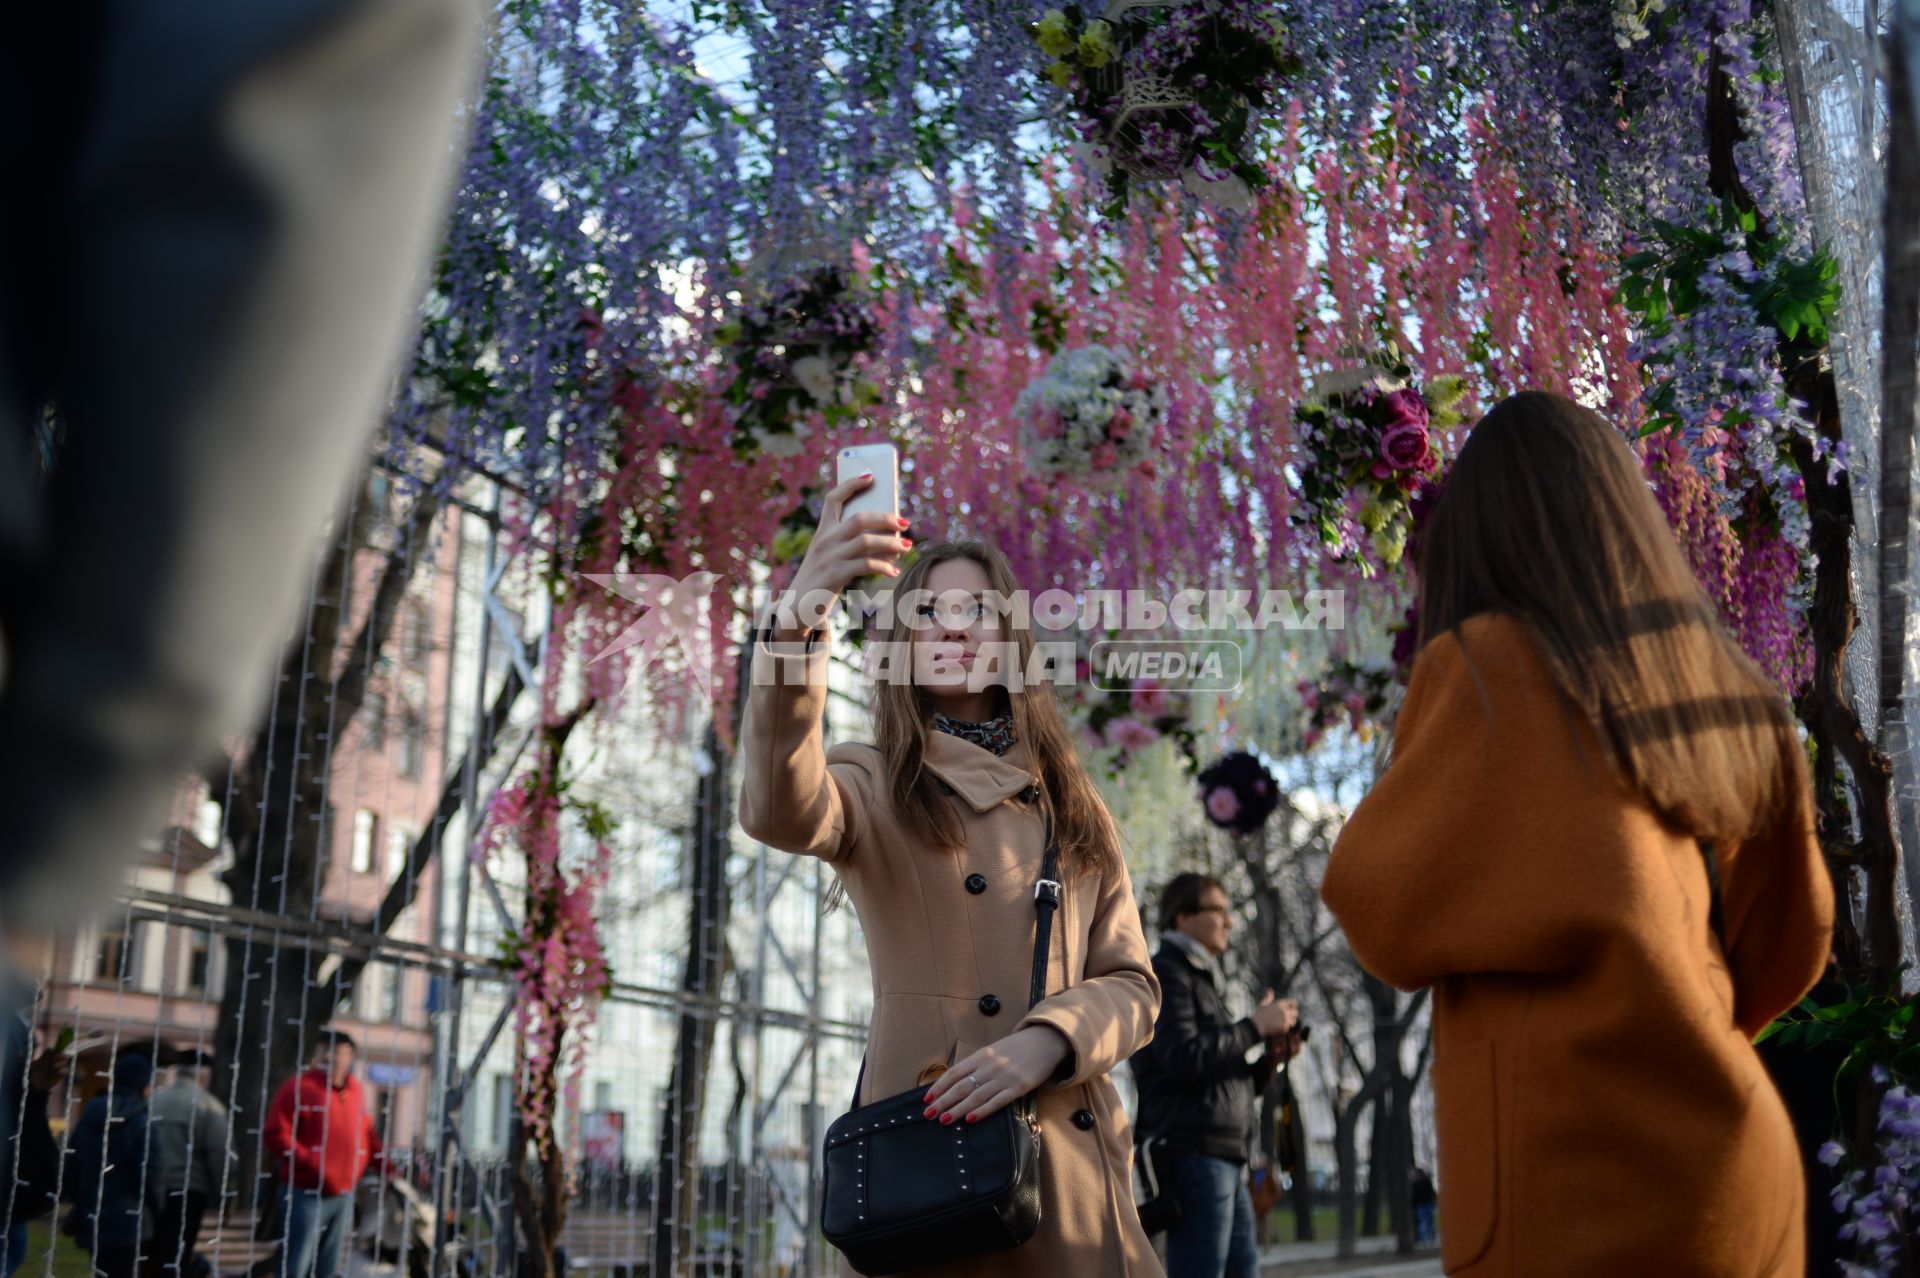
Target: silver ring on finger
[973, 1081]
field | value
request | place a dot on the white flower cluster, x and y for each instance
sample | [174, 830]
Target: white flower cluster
[1630, 20]
[1088, 416]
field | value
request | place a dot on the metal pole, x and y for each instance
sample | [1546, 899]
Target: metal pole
[756, 1148]
[451, 1100]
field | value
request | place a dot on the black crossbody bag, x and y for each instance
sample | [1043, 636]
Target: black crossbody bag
[903, 1191]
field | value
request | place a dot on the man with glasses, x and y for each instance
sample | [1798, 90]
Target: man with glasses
[1200, 1090]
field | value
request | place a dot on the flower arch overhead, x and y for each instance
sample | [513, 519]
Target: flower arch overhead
[693, 250]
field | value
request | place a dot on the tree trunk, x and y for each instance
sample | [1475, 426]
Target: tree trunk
[1869, 952]
[1390, 1021]
[1900, 326]
[1399, 1185]
[677, 1163]
[1302, 1194]
[274, 801]
[1379, 1153]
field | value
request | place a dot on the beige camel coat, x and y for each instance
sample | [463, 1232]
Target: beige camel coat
[938, 950]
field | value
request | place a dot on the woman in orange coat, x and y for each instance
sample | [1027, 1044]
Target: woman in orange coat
[1580, 736]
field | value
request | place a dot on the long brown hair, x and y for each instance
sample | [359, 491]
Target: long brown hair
[1548, 518]
[903, 716]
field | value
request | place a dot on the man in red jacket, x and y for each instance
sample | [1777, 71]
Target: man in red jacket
[320, 1140]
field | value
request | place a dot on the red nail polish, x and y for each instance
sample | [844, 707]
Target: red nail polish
[929, 1113]
[906, 541]
[946, 1120]
[973, 1118]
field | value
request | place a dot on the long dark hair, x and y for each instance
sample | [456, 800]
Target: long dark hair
[1547, 518]
[903, 716]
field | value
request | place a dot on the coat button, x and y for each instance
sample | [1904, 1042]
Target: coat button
[976, 883]
[1030, 794]
[989, 1005]
[1083, 1119]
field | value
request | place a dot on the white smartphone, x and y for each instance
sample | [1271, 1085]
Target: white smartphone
[882, 497]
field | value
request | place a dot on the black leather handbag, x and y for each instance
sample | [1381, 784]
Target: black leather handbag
[903, 1191]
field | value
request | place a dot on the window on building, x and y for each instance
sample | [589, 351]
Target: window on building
[199, 960]
[502, 1110]
[399, 844]
[603, 1096]
[366, 825]
[393, 979]
[373, 720]
[113, 957]
[416, 639]
[413, 743]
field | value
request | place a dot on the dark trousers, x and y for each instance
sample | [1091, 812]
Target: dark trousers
[115, 1262]
[176, 1238]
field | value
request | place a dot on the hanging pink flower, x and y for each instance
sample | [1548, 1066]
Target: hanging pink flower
[1381, 471]
[1403, 407]
[1405, 447]
[1222, 804]
[1131, 734]
[1150, 700]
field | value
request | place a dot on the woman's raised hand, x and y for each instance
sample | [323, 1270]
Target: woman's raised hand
[843, 550]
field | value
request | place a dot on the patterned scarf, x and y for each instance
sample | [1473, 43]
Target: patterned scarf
[996, 734]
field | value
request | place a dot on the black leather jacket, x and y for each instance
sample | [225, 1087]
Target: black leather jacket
[1196, 1087]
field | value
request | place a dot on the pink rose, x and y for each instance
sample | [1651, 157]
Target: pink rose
[1119, 424]
[1222, 804]
[1150, 700]
[1381, 471]
[1104, 456]
[1403, 408]
[1131, 734]
[1405, 447]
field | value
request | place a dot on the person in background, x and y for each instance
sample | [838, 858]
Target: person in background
[1425, 1203]
[320, 1140]
[1199, 1089]
[30, 1163]
[1595, 842]
[106, 1176]
[188, 1162]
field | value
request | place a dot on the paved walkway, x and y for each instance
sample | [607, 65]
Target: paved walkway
[1376, 1259]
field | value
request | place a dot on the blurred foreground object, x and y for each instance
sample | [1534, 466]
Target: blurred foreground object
[215, 224]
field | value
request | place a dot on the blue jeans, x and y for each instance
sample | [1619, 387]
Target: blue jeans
[313, 1229]
[1423, 1230]
[16, 1248]
[1214, 1238]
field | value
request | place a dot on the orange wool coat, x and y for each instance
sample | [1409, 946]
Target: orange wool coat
[1600, 1106]
[938, 949]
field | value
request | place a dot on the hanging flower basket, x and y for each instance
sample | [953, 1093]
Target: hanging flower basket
[1239, 793]
[796, 353]
[1090, 417]
[1369, 438]
[1170, 91]
[1351, 694]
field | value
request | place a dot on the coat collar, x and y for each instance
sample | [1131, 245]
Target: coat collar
[981, 777]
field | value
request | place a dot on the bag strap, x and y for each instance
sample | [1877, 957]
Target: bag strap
[1046, 901]
[1715, 918]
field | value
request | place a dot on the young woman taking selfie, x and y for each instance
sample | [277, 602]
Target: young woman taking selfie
[1595, 842]
[937, 832]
